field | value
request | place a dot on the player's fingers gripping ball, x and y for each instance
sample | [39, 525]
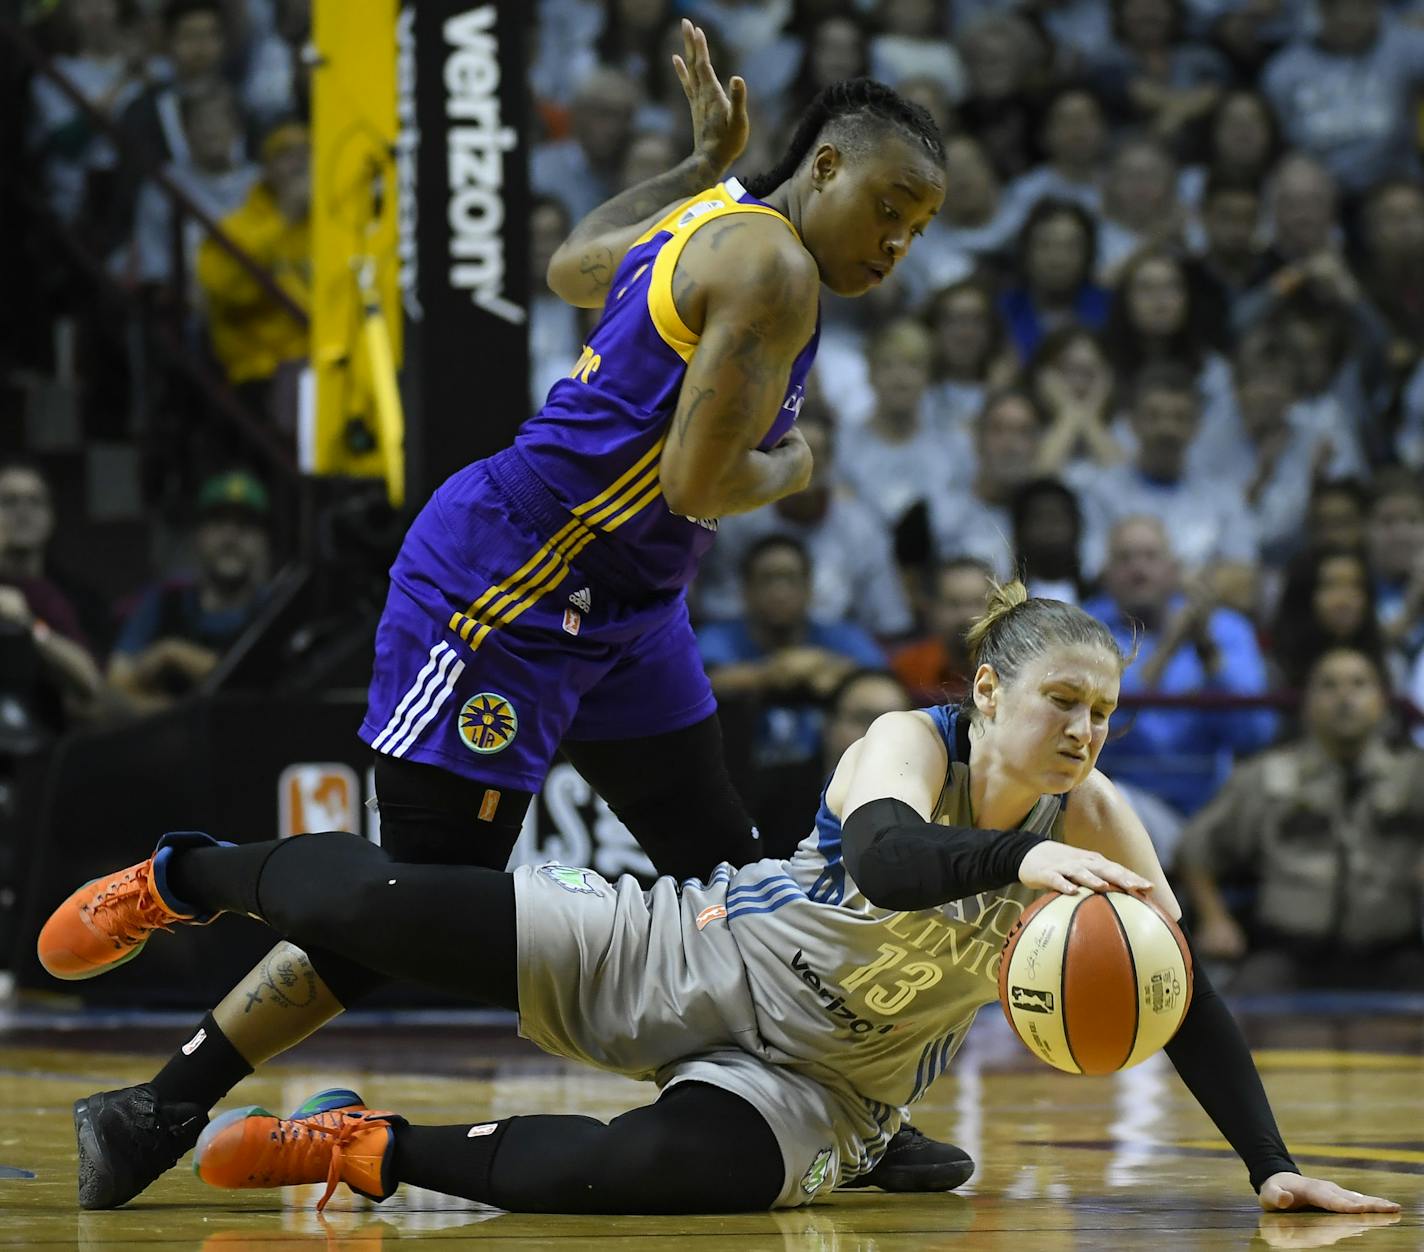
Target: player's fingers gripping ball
[1095, 982]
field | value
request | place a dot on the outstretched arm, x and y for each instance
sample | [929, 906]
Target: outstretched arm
[582, 268]
[1209, 1051]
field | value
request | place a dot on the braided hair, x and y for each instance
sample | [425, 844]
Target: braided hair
[851, 112]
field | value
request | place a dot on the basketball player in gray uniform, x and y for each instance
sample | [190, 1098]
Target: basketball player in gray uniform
[787, 1010]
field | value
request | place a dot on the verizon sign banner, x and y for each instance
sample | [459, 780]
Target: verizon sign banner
[462, 184]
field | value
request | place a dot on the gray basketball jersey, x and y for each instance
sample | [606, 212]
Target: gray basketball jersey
[852, 993]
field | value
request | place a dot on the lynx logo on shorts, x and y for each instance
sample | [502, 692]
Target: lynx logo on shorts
[570, 879]
[488, 723]
[815, 1177]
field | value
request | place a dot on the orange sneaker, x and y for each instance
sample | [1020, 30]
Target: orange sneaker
[108, 920]
[331, 1138]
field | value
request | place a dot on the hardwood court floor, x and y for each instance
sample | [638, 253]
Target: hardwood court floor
[1117, 1163]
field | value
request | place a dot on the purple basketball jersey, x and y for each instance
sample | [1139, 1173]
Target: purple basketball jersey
[597, 441]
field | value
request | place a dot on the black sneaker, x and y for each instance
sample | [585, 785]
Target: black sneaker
[914, 1162]
[127, 1139]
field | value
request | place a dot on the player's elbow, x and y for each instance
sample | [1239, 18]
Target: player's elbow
[570, 281]
[688, 495]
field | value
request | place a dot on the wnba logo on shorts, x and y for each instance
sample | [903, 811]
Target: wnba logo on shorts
[487, 723]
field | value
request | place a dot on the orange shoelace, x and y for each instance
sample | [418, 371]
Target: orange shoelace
[135, 910]
[351, 1125]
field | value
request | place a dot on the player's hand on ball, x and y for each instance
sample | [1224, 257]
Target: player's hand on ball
[1284, 1192]
[719, 119]
[1053, 866]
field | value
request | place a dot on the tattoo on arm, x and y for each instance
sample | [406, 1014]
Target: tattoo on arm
[288, 981]
[684, 419]
[597, 266]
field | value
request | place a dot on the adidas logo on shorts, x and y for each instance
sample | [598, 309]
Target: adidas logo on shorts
[582, 599]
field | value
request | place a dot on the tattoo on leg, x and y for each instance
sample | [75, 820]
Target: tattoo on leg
[291, 980]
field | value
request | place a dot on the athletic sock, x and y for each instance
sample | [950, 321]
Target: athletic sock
[453, 1160]
[203, 1070]
[211, 879]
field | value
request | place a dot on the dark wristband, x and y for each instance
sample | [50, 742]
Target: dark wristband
[900, 861]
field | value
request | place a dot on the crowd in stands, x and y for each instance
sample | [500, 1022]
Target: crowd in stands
[1161, 353]
[208, 98]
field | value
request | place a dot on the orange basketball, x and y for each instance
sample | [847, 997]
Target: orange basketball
[1095, 982]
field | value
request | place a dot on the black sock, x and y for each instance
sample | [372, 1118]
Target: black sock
[210, 879]
[203, 1070]
[448, 1159]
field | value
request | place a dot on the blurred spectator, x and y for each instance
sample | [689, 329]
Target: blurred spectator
[973, 519]
[1155, 317]
[1395, 540]
[912, 44]
[106, 68]
[1230, 261]
[1140, 209]
[1393, 270]
[861, 697]
[898, 459]
[27, 523]
[1347, 95]
[1154, 72]
[1186, 645]
[1073, 137]
[1073, 382]
[1327, 602]
[854, 575]
[1336, 515]
[1268, 447]
[975, 229]
[837, 47]
[1243, 142]
[48, 677]
[180, 629]
[632, 37]
[649, 153]
[1207, 518]
[779, 666]
[1055, 286]
[251, 334]
[969, 352]
[213, 177]
[1048, 537]
[583, 171]
[1326, 830]
[1006, 58]
[555, 336]
[196, 44]
[276, 82]
[938, 667]
[1304, 204]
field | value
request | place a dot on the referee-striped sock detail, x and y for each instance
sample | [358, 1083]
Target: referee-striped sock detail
[403, 708]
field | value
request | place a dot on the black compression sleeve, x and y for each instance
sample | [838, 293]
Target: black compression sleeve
[900, 861]
[1215, 1063]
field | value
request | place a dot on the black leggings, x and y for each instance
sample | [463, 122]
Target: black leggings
[454, 928]
[672, 791]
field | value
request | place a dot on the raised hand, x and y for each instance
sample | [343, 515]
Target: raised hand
[719, 119]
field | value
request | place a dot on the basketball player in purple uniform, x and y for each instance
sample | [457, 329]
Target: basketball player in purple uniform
[538, 601]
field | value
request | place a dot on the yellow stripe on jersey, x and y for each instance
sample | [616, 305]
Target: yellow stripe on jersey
[683, 221]
[532, 580]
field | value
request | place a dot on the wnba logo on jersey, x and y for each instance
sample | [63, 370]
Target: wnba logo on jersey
[697, 210]
[487, 723]
[317, 795]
